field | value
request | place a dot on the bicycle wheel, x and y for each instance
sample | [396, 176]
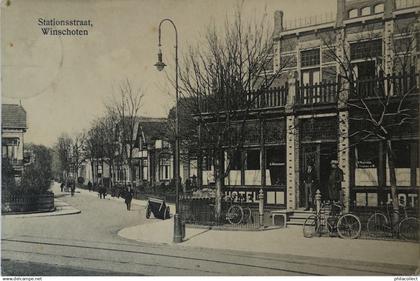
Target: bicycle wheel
[377, 225]
[349, 226]
[310, 226]
[235, 214]
[409, 229]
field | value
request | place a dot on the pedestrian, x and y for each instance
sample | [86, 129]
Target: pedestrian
[89, 185]
[72, 188]
[128, 197]
[309, 182]
[334, 182]
[99, 186]
[62, 186]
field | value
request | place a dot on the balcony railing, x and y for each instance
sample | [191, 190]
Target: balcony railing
[395, 85]
[322, 93]
[273, 97]
[316, 94]
[269, 98]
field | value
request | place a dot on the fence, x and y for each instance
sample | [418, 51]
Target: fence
[324, 92]
[201, 211]
[309, 21]
[15, 203]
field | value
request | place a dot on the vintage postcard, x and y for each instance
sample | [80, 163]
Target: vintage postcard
[210, 138]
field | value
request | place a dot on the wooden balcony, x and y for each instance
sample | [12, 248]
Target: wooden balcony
[319, 94]
[322, 93]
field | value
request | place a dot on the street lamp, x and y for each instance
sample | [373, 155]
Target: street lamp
[160, 66]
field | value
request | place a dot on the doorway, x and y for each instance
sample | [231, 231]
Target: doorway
[320, 156]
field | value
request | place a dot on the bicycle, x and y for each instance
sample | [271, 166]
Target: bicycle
[331, 219]
[237, 214]
[380, 224]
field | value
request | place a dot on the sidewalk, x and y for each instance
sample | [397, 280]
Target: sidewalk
[288, 241]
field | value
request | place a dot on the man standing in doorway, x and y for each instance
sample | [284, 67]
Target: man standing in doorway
[334, 182]
[309, 181]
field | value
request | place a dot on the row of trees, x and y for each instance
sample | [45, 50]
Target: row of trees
[111, 138]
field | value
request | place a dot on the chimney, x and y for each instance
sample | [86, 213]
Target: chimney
[341, 12]
[278, 22]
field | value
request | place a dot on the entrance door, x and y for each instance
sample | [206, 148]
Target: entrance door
[310, 155]
[320, 156]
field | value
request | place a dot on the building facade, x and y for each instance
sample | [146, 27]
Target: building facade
[13, 128]
[305, 118]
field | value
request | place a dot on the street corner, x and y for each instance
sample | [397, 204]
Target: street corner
[158, 232]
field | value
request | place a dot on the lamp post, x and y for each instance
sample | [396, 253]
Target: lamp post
[160, 66]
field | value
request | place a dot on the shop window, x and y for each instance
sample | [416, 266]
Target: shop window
[207, 163]
[401, 151]
[353, 13]
[310, 57]
[365, 11]
[236, 161]
[276, 164]
[253, 160]
[367, 155]
[378, 8]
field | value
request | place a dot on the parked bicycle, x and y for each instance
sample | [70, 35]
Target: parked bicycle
[236, 213]
[380, 224]
[330, 219]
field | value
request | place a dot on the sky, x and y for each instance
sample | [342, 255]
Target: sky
[64, 81]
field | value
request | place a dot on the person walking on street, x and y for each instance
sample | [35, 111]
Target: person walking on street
[309, 182]
[89, 185]
[334, 182]
[72, 188]
[128, 197]
[62, 186]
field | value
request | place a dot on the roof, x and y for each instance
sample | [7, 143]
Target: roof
[153, 128]
[13, 116]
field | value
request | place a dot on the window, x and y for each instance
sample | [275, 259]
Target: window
[401, 151]
[253, 160]
[353, 13]
[378, 8]
[9, 148]
[365, 11]
[144, 167]
[310, 58]
[207, 163]
[236, 161]
[276, 164]
[366, 50]
[367, 155]
[164, 166]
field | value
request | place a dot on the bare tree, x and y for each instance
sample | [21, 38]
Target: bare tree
[101, 143]
[63, 149]
[222, 79]
[126, 111]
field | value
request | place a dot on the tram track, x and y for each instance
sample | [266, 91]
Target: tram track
[287, 263]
